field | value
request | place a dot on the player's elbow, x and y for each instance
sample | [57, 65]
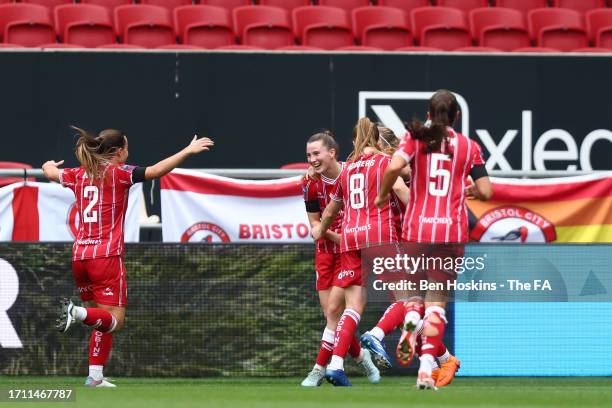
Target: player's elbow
[485, 190]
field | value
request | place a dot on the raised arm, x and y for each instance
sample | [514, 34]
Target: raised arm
[167, 165]
[51, 170]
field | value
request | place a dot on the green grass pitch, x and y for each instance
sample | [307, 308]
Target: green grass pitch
[286, 393]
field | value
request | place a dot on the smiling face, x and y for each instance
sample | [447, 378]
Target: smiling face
[320, 157]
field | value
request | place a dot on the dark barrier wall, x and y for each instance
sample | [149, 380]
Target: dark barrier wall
[260, 108]
[193, 310]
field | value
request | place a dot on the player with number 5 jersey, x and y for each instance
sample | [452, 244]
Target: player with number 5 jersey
[101, 187]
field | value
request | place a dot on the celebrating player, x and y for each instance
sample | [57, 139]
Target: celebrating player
[363, 225]
[441, 160]
[101, 186]
[321, 152]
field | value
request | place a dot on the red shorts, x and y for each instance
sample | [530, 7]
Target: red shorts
[351, 271]
[101, 280]
[327, 267]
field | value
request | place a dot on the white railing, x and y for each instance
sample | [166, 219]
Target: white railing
[278, 173]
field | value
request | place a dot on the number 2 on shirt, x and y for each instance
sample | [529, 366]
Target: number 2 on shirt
[90, 193]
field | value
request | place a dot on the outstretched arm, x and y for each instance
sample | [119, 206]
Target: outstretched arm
[392, 172]
[167, 165]
[51, 170]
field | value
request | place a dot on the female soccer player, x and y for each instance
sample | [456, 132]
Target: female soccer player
[321, 152]
[441, 160]
[101, 186]
[363, 225]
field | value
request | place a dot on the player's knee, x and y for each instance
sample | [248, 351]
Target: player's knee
[430, 331]
[334, 311]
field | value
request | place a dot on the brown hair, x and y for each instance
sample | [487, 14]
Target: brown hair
[93, 151]
[328, 140]
[389, 140]
[365, 134]
[443, 110]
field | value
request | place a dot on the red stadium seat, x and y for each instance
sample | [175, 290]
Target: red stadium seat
[323, 27]
[346, 5]
[47, 3]
[61, 45]
[478, 49]
[419, 49]
[382, 27]
[168, 4]
[405, 5]
[361, 48]
[522, 5]
[109, 4]
[594, 49]
[240, 47]
[84, 24]
[557, 28]
[5, 181]
[263, 26]
[464, 5]
[581, 6]
[299, 48]
[599, 27]
[228, 4]
[295, 166]
[26, 24]
[288, 5]
[121, 46]
[204, 26]
[440, 27]
[179, 47]
[499, 27]
[147, 26]
[536, 49]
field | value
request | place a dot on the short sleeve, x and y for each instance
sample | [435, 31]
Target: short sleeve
[477, 158]
[67, 177]
[407, 148]
[125, 174]
[336, 193]
[309, 190]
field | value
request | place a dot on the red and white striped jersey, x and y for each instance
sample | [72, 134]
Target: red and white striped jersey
[101, 205]
[363, 224]
[437, 212]
[320, 189]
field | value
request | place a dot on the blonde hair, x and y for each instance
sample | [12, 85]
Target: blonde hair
[93, 151]
[365, 134]
[388, 141]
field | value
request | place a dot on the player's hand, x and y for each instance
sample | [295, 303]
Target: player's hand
[333, 237]
[381, 201]
[470, 191]
[316, 232]
[53, 163]
[311, 174]
[199, 145]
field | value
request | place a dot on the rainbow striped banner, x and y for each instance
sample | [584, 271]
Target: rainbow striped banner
[570, 209]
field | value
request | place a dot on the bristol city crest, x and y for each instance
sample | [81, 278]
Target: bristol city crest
[205, 232]
[513, 224]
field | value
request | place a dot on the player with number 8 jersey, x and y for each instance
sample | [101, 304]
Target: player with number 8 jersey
[101, 188]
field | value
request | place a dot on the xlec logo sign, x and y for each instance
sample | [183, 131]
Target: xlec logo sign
[553, 145]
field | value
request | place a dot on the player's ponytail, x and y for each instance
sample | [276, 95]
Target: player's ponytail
[443, 110]
[92, 152]
[327, 139]
[365, 134]
[388, 141]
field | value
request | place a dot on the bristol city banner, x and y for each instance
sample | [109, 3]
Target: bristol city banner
[569, 209]
[31, 211]
[199, 207]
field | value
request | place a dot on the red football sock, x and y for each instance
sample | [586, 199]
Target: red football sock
[392, 318]
[100, 319]
[355, 348]
[100, 345]
[345, 332]
[325, 353]
[431, 344]
[441, 350]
